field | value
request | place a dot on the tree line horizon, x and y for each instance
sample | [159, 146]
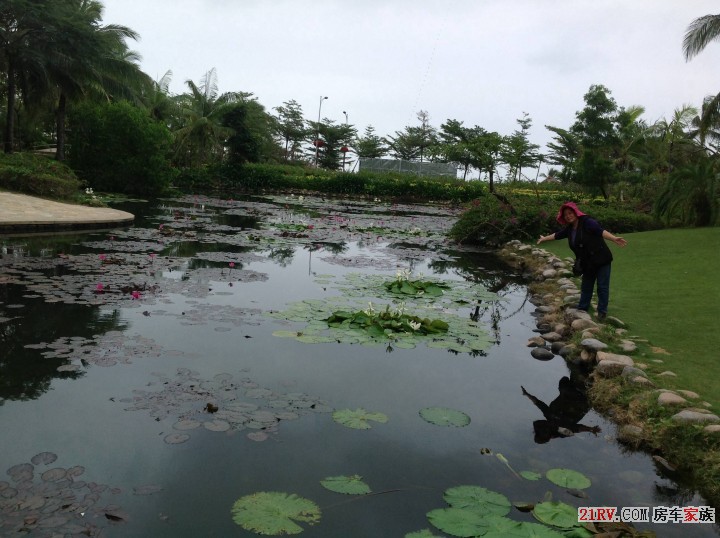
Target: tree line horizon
[63, 69]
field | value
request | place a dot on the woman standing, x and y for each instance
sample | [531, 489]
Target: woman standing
[586, 239]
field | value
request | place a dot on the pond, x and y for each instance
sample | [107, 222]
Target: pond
[152, 376]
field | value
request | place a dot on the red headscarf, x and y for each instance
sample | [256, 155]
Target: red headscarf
[568, 205]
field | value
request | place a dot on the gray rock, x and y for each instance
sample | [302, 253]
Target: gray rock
[567, 351]
[556, 347]
[628, 346]
[549, 273]
[632, 372]
[689, 394]
[545, 309]
[668, 373]
[609, 368]
[712, 428]
[581, 324]
[670, 398]
[536, 341]
[693, 416]
[603, 356]
[629, 433]
[639, 380]
[593, 344]
[542, 354]
[552, 336]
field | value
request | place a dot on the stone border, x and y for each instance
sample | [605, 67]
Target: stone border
[559, 321]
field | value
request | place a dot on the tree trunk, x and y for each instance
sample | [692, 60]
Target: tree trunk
[492, 187]
[61, 114]
[10, 119]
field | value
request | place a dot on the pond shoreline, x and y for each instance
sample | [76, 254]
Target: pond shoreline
[620, 390]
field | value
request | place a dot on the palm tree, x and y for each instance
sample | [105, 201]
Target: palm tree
[700, 33]
[691, 194]
[200, 136]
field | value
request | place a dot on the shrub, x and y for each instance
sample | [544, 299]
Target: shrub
[494, 220]
[117, 147]
[38, 175]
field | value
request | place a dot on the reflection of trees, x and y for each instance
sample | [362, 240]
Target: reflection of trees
[495, 276]
[283, 256]
[24, 373]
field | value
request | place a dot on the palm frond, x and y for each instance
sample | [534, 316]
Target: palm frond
[699, 34]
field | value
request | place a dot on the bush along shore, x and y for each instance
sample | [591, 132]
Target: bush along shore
[624, 376]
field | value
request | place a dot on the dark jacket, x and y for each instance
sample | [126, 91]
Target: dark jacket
[589, 246]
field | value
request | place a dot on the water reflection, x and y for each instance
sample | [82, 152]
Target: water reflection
[563, 414]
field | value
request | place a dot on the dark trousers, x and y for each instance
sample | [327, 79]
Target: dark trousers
[602, 277]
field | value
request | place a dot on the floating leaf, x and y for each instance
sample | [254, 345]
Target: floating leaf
[557, 514]
[568, 478]
[43, 458]
[443, 416]
[274, 513]
[176, 438]
[530, 475]
[425, 533]
[285, 334]
[458, 522]
[477, 499]
[349, 485]
[358, 419]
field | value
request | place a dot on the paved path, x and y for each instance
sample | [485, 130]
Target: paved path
[21, 213]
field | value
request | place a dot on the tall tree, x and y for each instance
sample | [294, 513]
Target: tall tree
[370, 145]
[414, 142]
[332, 138]
[518, 152]
[290, 128]
[595, 128]
[699, 34]
[200, 136]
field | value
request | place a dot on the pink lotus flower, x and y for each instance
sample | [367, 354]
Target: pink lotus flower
[232, 264]
[161, 227]
[152, 256]
[99, 288]
[102, 257]
[310, 227]
[135, 294]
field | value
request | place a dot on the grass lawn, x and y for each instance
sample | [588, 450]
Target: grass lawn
[665, 286]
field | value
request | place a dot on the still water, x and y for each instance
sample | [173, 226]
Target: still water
[151, 376]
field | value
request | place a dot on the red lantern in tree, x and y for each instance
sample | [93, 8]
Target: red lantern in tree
[318, 143]
[344, 149]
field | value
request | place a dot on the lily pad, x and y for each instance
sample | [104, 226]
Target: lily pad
[274, 513]
[530, 475]
[568, 478]
[477, 499]
[444, 416]
[358, 419]
[425, 533]
[458, 522]
[43, 458]
[556, 514]
[349, 485]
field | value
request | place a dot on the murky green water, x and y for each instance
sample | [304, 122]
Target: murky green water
[113, 384]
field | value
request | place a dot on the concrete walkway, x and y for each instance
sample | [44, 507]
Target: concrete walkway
[22, 213]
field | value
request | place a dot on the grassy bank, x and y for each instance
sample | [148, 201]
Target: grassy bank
[665, 286]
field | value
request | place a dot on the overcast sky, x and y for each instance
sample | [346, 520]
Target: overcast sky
[483, 62]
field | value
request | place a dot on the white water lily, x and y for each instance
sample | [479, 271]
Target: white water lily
[369, 310]
[403, 274]
[414, 325]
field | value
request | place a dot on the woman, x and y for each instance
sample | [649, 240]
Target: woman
[586, 238]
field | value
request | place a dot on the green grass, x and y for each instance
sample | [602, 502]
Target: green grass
[666, 286]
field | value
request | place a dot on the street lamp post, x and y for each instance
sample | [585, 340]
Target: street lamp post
[317, 138]
[344, 149]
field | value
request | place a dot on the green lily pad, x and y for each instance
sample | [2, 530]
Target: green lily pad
[530, 475]
[274, 513]
[285, 334]
[349, 485]
[425, 533]
[443, 416]
[556, 514]
[358, 419]
[458, 522]
[478, 499]
[567, 478]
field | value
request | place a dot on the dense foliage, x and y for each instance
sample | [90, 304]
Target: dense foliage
[116, 147]
[38, 176]
[494, 220]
